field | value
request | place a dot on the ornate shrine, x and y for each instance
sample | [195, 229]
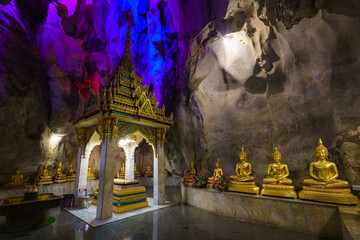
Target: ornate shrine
[123, 109]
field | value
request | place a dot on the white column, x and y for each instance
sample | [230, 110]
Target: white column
[81, 172]
[159, 176]
[106, 181]
[129, 150]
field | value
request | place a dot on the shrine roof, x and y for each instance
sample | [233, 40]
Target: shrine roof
[124, 97]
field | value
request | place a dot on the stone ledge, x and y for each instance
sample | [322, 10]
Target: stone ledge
[318, 219]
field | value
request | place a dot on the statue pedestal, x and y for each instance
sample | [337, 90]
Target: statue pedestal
[279, 190]
[329, 195]
[245, 187]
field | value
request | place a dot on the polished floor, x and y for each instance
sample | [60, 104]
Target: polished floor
[176, 222]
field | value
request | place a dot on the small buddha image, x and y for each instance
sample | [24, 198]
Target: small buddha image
[149, 172]
[16, 180]
[242, 181]
[60, 177]
[189, 178]
[90, 175]
[324, 185]
[278, 184]
[217, 174]
[71, 174]
[122, 171]
[44, 177]
[136, 171]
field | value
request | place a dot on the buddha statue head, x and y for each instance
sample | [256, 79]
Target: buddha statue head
[242, 155]
[218, 164]
[17, 171]
[277, 156]
[321, 151]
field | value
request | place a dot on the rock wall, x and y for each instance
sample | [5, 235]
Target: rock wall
[272, 74]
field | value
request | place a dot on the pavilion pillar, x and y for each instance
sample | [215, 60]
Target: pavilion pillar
[159, 176]
[106, 181]
[81, 172]
[129, 150]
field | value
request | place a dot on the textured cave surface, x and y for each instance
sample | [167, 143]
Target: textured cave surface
[255, 73]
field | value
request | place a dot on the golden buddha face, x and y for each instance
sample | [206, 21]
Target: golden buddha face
[17, 171]
[218, 164]
[242, 157]
[321, 154]
[277, 157]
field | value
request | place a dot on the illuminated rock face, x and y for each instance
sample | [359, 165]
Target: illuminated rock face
[281, 85]
[253, 73]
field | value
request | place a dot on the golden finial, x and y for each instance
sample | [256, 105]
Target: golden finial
[320, 142]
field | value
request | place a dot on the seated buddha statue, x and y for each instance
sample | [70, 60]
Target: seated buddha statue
[324, 185]
[122, 171]
[278, 184]
[90, 175]
[190, 177]
[149, 172]
[44, 177]
[60, 177]
[242, 181]
[71, 174]
[217, 174]
[16, 180]
[136, 171]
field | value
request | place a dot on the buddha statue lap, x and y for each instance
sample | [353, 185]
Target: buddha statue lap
[325, 187]
[279, 184]
[60, 177]
[122, 171]
[218, 172]
[17, 180]
[44, 178]
[149, 172]
[242, 181]
[190, 177]
[90, 175]
[136, 171]
[71, 174]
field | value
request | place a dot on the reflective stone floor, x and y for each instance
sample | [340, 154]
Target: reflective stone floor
[176, 222]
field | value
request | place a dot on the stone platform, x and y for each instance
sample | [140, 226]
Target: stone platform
[68, 187]
[317, 219]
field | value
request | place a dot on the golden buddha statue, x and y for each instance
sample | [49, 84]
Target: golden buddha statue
[136, 171]
[217, 174]
[60, 177]
[149, 172]
[16, 180]
[279, 184]
[325, 187]
[90, 175]
[122, 171]
[242, 181]
[190, 177]
[71, 174]
[44, 177]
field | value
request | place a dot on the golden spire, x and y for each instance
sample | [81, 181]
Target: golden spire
[126, 59]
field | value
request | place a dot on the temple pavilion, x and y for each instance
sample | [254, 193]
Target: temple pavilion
[123, 113]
